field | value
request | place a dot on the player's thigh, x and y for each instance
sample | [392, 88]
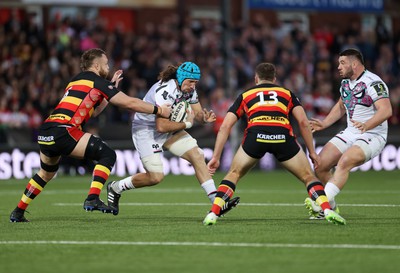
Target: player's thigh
[183, 145]
[175, 137]
[80, 148]
[299, 166]
[336, 147]
[353, 157]
[241, 164]
[371, 145]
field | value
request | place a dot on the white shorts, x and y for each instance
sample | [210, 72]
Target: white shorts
[371, 144]
[149, 142]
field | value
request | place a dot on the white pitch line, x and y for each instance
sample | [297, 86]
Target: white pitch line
[241, 204]
[206, 244]
[194, 190]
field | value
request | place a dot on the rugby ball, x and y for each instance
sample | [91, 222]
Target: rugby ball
[178, 111]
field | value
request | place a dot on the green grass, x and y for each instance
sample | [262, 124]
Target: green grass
[159, 229]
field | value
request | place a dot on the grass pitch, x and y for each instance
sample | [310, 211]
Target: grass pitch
[159, 229]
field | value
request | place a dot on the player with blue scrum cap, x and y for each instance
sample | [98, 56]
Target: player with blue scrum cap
[187, 70]
[151, 136]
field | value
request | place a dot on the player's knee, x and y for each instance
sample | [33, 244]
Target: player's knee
[153, 165]
[47, 172]
[98, 150]
[346, 162]
[196, 154]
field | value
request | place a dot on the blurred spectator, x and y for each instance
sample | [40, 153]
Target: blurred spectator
[36, 63]
[323, 100]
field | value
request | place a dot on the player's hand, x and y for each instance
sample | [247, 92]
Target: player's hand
[316, 125]
[213, 165]
[359, 125]
[117, 77]
[208, 116]
[315, 159]
[164, 110]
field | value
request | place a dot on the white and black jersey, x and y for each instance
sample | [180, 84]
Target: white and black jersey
[163, 93]
[358, 97]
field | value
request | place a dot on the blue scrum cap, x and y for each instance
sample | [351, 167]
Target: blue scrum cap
[187, 70]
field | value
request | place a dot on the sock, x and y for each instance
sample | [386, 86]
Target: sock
[33, 188]
[316, 192]
[100, 176]
[331, 191]
[210, 189]
[123, 185]
[225, 191]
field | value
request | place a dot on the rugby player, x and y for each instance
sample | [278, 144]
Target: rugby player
[269, 108]
[364, 99]
[152, 135]
[62, 133]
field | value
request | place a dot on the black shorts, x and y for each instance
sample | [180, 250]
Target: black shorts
[257, 143]
[58, 140]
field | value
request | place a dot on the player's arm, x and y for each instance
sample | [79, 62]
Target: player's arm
[202, 115]
[164, 125]
[116, 79]
[336, 113]
[305, 130]
[222, 137]
[100, 108]
[223, 134]
[137, 105]
[383, 112]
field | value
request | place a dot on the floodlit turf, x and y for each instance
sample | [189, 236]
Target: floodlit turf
[159, 229]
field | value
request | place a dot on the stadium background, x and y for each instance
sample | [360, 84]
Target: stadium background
[41, 41]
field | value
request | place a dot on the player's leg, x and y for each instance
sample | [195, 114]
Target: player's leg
[150, 150]
[93, 148]
[299, 166]
[150, 147]
[153, 175]
[48, 169]
[364, 148]
[329, 156]
[185, 146]
[241, 164]
[351, 158]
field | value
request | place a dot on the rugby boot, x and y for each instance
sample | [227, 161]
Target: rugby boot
[228, 206]
[17, 215]
[333, 217]
[113, 198]
[96, 204]
[211, 219]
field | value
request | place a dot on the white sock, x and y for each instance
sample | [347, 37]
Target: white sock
[123, 185]
[210, 189]
[331, 190]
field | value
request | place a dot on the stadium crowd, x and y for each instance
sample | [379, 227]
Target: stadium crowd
[36, 63]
